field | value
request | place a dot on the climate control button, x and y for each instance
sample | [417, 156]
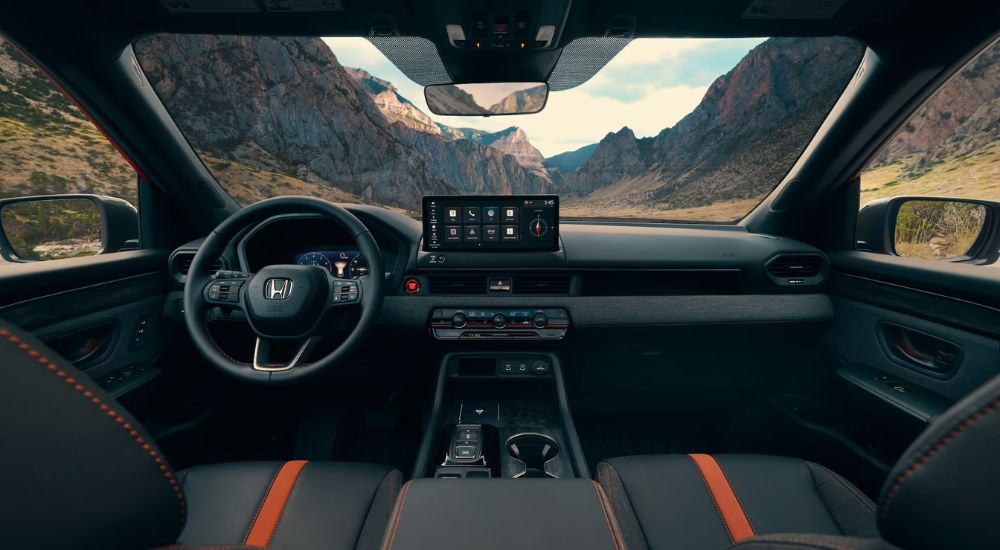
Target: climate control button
[459, 320]
[540, 320]
[500, 321]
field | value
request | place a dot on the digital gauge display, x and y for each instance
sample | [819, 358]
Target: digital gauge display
[345, 264]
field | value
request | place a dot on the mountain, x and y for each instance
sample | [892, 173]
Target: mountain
[395, 107]
[530, 100]
[736, 145]
[452, 100]
[570, 161]
[618, 157]
[48, 145]
[513, 141]
[263, 111]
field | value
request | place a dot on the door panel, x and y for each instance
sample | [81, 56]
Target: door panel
[892, 318]
[103, 313]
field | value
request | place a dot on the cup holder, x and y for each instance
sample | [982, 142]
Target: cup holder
[534, 451]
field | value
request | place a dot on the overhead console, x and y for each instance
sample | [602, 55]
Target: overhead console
[491, 223]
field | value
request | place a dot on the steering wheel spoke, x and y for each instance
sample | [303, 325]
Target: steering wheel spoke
[345, 292]
[263, 352]
[224, 289]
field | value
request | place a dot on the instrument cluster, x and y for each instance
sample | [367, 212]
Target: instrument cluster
[345, 264]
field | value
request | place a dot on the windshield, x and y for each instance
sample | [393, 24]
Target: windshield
[694, 130]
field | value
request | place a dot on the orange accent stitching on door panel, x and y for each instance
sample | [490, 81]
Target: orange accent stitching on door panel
[273, 507]
[733, 516]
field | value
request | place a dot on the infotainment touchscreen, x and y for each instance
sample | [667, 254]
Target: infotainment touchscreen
[485, 223]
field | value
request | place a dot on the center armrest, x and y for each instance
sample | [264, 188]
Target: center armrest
[501, 514]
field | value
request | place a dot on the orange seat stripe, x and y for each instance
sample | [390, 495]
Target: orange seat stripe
[274, 503]
[733, 515]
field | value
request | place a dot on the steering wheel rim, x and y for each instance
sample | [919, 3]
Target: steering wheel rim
[196, 301]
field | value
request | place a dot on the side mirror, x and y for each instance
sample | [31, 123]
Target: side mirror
[52, 227]
[932, 228]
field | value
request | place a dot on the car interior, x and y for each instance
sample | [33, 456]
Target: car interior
[257, 293]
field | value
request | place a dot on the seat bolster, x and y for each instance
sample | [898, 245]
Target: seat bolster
[621, 506]
[381, 510]
[853, 512]
[812, 542]
[338, 506]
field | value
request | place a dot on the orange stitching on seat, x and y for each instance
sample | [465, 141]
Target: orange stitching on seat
[76, 385]
[390, 534]
[935, 449]
[616, 537]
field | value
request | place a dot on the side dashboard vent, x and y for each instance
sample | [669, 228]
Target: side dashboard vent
[796, 269]
[541, 284]
[457, 284]
[180, 264]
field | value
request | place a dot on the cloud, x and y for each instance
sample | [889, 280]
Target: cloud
[648, 86]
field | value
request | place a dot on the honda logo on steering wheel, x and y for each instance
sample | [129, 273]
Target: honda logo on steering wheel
[278, 289]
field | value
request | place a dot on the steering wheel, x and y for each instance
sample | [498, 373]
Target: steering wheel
[282, 303]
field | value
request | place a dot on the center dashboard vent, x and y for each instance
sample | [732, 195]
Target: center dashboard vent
[541, 284]
[796, 269]
[524, 284]
[457, 284]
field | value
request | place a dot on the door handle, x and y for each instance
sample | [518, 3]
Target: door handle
[921, 350]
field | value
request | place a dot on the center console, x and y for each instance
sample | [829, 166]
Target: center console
[501, 415]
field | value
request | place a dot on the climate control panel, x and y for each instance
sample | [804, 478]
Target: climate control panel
[492, 323]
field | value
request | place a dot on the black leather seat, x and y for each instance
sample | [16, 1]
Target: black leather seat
[80, 472]
[942, 493]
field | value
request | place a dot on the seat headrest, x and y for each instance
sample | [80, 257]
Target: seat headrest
[944, 491]
[78, 470]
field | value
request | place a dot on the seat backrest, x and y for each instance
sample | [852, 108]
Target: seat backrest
[945, 490]
[78, 470]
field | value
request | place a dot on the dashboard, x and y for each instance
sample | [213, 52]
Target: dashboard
[601, 274]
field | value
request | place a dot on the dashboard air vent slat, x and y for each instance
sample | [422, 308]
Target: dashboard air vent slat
[457, 284]
[541, 284]
[795, 265]
[182, 264]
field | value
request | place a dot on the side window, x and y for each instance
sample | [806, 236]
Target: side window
[934, 182]
[65, 190]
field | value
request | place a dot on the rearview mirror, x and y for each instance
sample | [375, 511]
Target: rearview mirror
[55, 227]
[931, 228]
[487, 99]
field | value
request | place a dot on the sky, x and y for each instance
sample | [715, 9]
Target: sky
[648, 86]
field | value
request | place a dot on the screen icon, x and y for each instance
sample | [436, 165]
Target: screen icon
[491, 233]
[510, 214]
[472, 214]
[453, 214]
[510, 233]
[473, 233]
[491, 214]
[453, 233]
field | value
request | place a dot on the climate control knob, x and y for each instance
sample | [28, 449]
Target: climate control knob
[459, 320]
[540, 320]
[500, 321]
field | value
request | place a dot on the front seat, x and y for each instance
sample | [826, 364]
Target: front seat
[80, 472]
[944, 492]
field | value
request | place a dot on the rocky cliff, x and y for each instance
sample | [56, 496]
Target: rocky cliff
[749, 128]
[287, 106]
